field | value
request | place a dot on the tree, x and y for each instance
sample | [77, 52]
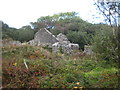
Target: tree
[67, 23]
[7, 31]
[28, 27]
[24, 35]
[110, 10]
[78, 37]
[104, 45]
[57, 21]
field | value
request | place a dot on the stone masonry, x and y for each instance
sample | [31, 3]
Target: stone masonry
[45, 38]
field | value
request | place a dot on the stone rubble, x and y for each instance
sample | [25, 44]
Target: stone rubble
[64, 45]
[45, 38]
[60, 43]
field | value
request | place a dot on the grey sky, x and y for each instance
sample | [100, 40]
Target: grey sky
[18, 13]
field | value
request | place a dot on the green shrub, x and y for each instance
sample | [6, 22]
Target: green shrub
[103, 78]
[78, 37]
[48, 48]
[105, 46]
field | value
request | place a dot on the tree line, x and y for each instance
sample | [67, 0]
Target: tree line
[69, 23]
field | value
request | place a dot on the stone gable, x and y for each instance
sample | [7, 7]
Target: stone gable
[43, 37]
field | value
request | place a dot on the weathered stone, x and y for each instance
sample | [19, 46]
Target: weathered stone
[61, 37]
[66, 49]
[43, 38]
[64, 45]
[60, 43]
[55, 47]
[88, 50]
[32, 42]
[74, 46]
[24, 43]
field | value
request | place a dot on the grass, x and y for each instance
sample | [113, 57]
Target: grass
[49, 70]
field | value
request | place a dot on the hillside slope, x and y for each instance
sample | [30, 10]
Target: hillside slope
[50, 70]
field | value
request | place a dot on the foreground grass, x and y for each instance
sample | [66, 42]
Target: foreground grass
[48, 70]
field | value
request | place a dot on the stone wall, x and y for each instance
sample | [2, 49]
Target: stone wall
[64, 45]
[42, 38]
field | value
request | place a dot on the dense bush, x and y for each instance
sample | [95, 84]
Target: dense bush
[23, 34]
[105, 46]
[57, 70]
[80, 38]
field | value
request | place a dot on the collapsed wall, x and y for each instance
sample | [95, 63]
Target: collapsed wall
[45, 38]
[64, 45]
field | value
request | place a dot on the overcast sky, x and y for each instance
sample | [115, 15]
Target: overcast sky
[18, 13]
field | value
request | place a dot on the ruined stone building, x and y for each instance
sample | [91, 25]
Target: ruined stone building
[45, 38]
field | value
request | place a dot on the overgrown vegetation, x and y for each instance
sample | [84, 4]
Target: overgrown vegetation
[49, 70]
[23, 34]
[105, 46]
[58, 70]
